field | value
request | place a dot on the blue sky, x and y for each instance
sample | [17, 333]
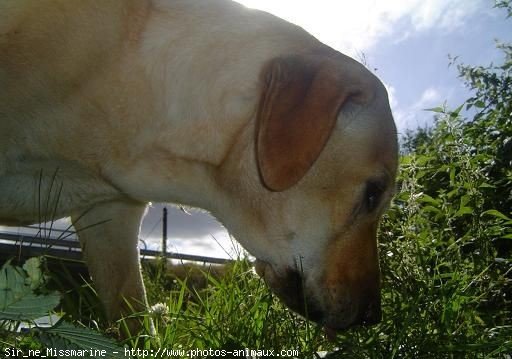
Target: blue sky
[406, 41]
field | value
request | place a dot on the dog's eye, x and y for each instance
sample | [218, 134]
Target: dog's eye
[372, 195]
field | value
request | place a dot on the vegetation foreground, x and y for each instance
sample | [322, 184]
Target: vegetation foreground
[446, 261]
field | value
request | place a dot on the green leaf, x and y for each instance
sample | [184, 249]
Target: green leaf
[463, 211]
[455, 113]
[33, 269]
[432, 209]
[428, 199]
[498, 214]
[66, 337]
[17, 301]
[452, 176]
[435, 109]
[464, 200]
[479, 104]
[486, 185]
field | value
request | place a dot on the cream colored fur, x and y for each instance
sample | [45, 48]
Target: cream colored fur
[122, 102]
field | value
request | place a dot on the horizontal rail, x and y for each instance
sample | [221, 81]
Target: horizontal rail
[29, 251]
[28, 240]
[29, 246]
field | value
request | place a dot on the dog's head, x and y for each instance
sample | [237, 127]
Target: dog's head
[312, 181]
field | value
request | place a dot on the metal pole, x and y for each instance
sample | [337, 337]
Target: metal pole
[164, 233]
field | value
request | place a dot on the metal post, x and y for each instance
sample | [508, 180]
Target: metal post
[164, 233]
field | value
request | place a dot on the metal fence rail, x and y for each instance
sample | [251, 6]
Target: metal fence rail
[27, 245]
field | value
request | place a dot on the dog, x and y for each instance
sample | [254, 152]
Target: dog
[106, 105]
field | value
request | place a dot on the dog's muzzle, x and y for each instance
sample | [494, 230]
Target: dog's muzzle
[338, 309]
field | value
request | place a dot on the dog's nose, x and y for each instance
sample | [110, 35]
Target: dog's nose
[350, 313]
[368, 308]
[337, 312]
[293, 295]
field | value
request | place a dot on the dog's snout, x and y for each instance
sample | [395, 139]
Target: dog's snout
[350, 312]
[335, 307]
[294, 296]
[290, 289]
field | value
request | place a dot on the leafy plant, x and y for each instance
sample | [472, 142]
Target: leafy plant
[18, 301]
[23, 299]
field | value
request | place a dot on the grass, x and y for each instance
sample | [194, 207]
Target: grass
[235, 311]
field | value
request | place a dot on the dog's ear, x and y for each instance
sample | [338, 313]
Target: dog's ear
[298, 109]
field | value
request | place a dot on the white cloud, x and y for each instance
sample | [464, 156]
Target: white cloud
[401, 115]
[415, 115]
[356, 26]
[54, 229]
[219, 245]
[443, 14]
[393, 102]
[428, 98]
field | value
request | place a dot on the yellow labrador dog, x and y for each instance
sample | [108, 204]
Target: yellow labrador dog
[109, 104]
